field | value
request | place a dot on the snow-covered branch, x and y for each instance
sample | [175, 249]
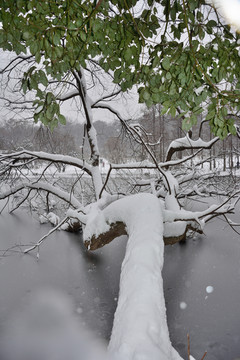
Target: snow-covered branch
[146, 164]
[40, 155]
[44, 186]
[106, 97]
[14, 62]
[68, 96]
[91, 131]
[186, 143]
[37, 245]
[184, 215]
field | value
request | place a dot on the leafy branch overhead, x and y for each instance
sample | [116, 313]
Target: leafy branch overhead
[180, 53]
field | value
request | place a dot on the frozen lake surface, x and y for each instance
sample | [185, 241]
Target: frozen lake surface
[201, 279]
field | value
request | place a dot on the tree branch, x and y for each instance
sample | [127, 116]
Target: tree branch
[186, 144]
[40, 155]
[37, 245]
[70, 199]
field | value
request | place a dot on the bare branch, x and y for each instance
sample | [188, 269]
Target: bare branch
[106, 181]
[21, 202]
[68, 96]
[19, 57]
[106, 97]
[71, 200]
[66, 159]
[37, 245]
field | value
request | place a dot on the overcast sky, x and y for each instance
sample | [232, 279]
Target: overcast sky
[127, 104]
[230, 9]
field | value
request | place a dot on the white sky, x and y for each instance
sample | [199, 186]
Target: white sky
[230, 9]
[127, 105]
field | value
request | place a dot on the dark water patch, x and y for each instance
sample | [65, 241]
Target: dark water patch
[91, 279]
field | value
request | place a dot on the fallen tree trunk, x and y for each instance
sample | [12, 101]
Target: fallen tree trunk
[140, 328]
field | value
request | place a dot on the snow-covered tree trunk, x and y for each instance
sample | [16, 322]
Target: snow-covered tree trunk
[140, 328]
[91, 131]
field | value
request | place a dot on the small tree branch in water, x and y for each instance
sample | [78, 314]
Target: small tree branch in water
[37, 245]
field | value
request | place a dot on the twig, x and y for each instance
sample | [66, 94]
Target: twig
[106, 181]
[12, 249]
[162, 172]
[204, 355]
[231, 225]
[5, 205]
[188, 342]
[45, 236]
[20, 202]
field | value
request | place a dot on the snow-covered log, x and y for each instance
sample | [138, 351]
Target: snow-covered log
[140, 327]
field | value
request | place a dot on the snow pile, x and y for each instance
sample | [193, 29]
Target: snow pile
[174, 229]
[96, 222]
[50, 217]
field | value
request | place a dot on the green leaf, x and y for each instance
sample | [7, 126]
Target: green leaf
[156, 97]
[34, 47]
[172, 111]
[38, 57]
[224, 111]
[83, 36]
[211, 23]
[168, 76]
[24, 86]
[50, 112]
[56, 39]
[128, 54]
[26, 35]
[59, 51]
[49, 98]
[62, 119]
[187, 124]
[201, 33]
[210, 114]
[166, 63]
[146, 96]
[33, 84]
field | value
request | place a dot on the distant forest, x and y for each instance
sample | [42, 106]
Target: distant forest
[114, 144]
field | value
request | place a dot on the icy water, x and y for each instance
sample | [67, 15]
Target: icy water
[201, 278]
